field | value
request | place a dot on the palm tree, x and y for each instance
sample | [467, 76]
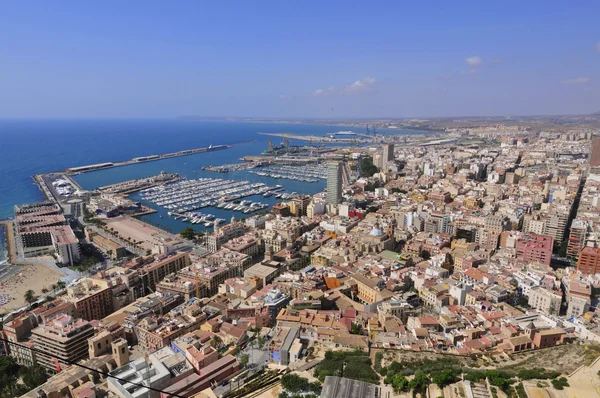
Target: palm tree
[54, 287]
[29, 296]
[216, 342]
[61, 284]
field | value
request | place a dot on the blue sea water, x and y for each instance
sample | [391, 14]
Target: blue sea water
[30, 147]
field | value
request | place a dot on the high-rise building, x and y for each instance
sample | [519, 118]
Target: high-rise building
[388, 156]
[334, 183]
[577, 236]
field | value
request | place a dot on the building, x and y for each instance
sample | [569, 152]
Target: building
[163, 265]
[388, 156]
[109, 246]
[334, 183]
[301, 205]
[160, 370]
[265, 273]
[577, 236]
[534, 248]
[340, 387]
[589, 260]
[544, 300]
[64, 339]
[225, 233]
[42, 229]
[92, 299]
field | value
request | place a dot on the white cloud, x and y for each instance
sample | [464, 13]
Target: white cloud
[284, 97]
[359, 85]
[598, 46]
[474, 61]
[356, 87]
[469, 71]
[576, 80]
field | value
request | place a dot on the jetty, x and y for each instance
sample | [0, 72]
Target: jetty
[143, 159]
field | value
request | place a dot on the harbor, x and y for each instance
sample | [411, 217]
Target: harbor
[185, 198]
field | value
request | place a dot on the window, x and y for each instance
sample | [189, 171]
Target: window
[99, 346]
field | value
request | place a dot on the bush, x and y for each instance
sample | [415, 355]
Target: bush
[537, 373]
[294, 383]
[353, 365]
[560, 384]
[521, 391]
[444, 377]
[378, 360]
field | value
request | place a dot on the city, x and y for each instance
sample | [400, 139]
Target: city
[283, 199]
[476, 252]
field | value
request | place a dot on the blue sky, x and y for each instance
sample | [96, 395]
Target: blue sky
[298, 58]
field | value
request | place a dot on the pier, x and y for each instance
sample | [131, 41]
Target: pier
[127, 187]
[143, 159]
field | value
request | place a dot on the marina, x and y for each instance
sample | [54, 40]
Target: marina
[183, 199]
[308, 173]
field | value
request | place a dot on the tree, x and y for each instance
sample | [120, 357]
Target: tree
[61, 284]
[188, 233]
[367, 167]
[244, 360]
[29, 296]
[260, 341]
[356, 328]
[9, 373]
[34, 376]
[444, 377]
[425, 255]
[419, 382]
[216, 342]
[294, 383]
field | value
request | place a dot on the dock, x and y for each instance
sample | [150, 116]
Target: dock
[143, 159]
[131, 186]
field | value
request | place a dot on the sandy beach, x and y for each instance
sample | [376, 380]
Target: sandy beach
[35, 277]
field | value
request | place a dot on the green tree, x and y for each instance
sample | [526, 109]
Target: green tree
[425, 255]
[29, 296]
[188, 233]
[294, 383]
[419, 382]
[61, 284]
[444, 377]
[244, 360]
[356, 328]
[216, 342]
[9, 373]
[367, 167]
[34, 376]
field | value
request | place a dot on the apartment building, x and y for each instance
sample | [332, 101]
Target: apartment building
[60, 340]
[544, 300]
[162, 266]
[589, 260]
[92, 298]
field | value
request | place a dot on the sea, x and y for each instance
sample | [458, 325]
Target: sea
[30, 147]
